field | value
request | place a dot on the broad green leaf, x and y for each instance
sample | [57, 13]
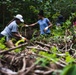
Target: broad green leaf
[69, 70]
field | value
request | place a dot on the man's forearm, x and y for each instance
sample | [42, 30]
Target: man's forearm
[17, 35]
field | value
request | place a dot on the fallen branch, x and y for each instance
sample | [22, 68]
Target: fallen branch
[46, 72]
[56, 62]
[7, 71]
[29, 69]
[10, 72]
[21, 72]
[41, 49]
[11, 49]
[45, 50]
[42, 44]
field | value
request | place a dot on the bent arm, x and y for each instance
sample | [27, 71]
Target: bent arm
[16, 34]
[50, 24]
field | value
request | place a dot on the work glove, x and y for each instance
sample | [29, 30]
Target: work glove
[23, 38]
[26, 25]
[46, 28]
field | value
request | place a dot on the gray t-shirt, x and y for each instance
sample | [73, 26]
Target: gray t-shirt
[12, 27]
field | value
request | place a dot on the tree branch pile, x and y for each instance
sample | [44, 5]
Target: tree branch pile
[25, 62]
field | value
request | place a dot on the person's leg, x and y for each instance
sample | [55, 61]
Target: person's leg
[9, 42]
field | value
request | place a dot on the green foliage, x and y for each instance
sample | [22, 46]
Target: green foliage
[43, 61]
[33, 9]
[17, 43]
[52, 9]
[34, 50]
[58, 31]
[69, 70]
[55, 15]
[73, 15]
[54, 49]
[67, 24]
[45, 38]
[18, 50]
[47, 57]
[2, 45]
[30, 8]
[69, 58]
[2, 40]
[34, 33]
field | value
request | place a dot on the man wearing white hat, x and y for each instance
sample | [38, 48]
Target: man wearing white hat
[11, 30]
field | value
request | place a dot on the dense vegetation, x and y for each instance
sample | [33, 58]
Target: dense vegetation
[9, 8]
[41, 55]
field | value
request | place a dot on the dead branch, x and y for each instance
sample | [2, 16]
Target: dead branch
[11, 49]
[42, 44]
[40, 49]
[21, 72]
[7, 71]
[58, 63]
[29, 69]
[10, 72]
[45, 50]
[46, 72]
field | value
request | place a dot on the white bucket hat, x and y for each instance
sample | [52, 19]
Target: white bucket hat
[20, 17]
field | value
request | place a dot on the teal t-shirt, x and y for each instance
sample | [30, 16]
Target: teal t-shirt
[42, 24]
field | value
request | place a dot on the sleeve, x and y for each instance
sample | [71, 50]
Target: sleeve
[14, 28]
[47, 20]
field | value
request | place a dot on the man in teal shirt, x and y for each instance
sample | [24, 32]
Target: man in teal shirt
[43, 22]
